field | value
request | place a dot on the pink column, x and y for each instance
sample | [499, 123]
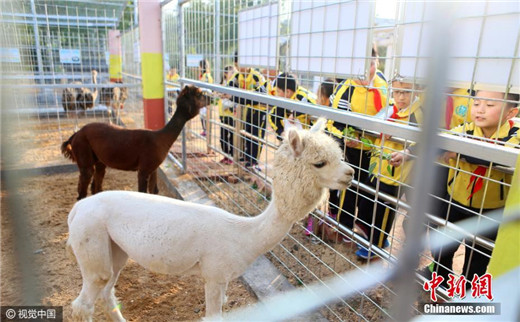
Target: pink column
[152, 69]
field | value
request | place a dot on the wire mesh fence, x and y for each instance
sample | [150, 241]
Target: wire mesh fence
[351, 55]
[56, 57]
[275, 64]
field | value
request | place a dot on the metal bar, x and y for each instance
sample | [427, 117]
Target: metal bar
[89, 2]
[424, 183]
[52, 23]
[483, 150]
[91, 85]
[164, 50]
[34, 15]
[217, 68]
[180, 30]
[36, 38]
[174, 160]
[132, 76]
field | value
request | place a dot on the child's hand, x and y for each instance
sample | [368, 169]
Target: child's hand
[398, 158]
[351, 142]
[449, 155]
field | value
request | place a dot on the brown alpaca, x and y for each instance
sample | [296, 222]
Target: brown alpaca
[100, 145]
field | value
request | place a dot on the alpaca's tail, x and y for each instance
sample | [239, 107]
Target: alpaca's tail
[66, 149]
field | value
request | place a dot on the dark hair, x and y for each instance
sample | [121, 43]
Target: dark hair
[513, 97]
[375, 53]
[227, 69]
[203, 64]
[327, 87]
[286, 81]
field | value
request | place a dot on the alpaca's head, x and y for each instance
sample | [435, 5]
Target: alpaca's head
[309, 161]
[190, 101]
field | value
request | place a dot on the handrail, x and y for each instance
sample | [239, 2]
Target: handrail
[482, 150]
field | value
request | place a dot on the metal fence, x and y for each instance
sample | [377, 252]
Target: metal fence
[332, 42]
[50, 50]
[48, 45]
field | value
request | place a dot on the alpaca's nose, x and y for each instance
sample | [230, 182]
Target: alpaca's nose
[349, 171]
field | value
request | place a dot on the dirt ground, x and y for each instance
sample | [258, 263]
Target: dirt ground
[144, 296]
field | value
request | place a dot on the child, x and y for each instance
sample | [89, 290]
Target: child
[323, 98]
[255, 118]
[172, 75]
[475, 187]
[360, 96]
[389, 172]
[226, 112]
[204, 76]
[287, 86]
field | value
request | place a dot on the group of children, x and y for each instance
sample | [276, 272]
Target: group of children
[471, 186]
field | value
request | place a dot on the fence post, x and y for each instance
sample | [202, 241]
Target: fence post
[116, 61]
[37, 41]
[182, 70]
[152, 69]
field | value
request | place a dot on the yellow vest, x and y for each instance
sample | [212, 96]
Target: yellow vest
[172, 78]
[461, 108]
[301, 94]
[253, 82]
[473, 191]
[206, 77]
[360, 100]
[391, 175]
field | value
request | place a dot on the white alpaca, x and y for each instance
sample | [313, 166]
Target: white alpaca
[176, 237]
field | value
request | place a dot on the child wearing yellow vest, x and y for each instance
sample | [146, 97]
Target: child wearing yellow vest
[286, 85]
[473, 185]
[226, 114]
[255, 118]
[204, 76]
[387, 168]
[360, 96]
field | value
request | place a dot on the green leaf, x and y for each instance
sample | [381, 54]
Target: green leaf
[366, 142]
[372, 167]
[389, 169]
[349, 132]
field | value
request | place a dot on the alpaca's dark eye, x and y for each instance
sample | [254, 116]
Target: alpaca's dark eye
[320, 164]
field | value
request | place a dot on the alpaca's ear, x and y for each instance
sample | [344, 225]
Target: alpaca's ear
[319, 125]
[295, 142]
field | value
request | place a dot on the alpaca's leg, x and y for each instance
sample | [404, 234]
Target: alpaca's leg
[215, 298]
[142, 180]
[119, 258]
[85, 175]
[99, 174]
[152, 183]
[83, 305]
[91, 246]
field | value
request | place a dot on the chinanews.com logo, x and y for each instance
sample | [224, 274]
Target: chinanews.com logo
[481, 287]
